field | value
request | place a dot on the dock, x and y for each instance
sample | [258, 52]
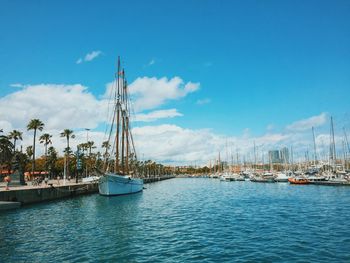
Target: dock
[29, 194]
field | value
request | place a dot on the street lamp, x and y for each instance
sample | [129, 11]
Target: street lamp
[87, 141]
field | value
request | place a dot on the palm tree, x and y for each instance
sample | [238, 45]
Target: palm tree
[90, 145]
[46, 140]
[15, 135]
[6, 153]
[106, 145]
[51, 160]
[67, 133]
[29, 151]
[35, 124]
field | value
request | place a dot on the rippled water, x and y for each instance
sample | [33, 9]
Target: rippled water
[185, 220]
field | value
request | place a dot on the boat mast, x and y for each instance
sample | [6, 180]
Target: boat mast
[116, 165]
[315, 152]
[123, 125]
[291, 157]
[347, 144]
[346, 140]
[254, 158]
[126, 128]
[333, 154]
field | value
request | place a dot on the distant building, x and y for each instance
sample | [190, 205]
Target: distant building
[274, 156]
[284, 155]
[279, 156]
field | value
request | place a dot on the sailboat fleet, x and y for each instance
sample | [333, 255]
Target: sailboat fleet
[330, 172]
[123, 179]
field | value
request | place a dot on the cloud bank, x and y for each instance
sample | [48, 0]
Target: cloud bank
[62, 106]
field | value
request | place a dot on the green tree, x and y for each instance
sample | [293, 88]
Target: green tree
[46, 140]
[35, 124]
[6, 152]
[68, 134]
[15, 135]
[52, 158]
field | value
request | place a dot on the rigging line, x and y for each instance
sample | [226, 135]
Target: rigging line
[132, 142]
[109, 102]
[110, 133]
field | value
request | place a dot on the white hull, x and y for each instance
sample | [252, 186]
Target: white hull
[114, 184]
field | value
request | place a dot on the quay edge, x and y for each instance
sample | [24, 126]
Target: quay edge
[38, 194]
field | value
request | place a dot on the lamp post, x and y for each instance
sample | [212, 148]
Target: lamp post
[87, 141]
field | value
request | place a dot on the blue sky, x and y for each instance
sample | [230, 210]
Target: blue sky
[258, 63]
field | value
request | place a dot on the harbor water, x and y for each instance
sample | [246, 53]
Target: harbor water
[185, 220]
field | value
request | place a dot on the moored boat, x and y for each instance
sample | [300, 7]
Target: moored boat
[298, 180]
[281, 178]
[124, 180]
[264, 178]
[114, 184]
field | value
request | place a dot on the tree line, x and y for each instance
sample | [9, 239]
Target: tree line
[82, 162]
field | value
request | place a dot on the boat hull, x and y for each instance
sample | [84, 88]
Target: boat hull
[114, 184]
[262, 180]
[298, 181]
[281, 180]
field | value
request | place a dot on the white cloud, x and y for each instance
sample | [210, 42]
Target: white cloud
[58, 106]
[155, 115]
[89, 56]
[74, 107]
[203, 101]
[171, 142]
[151, 62]
[17, 85]
[272, 138]
[150, 93]
[308, 123]
[62, 106]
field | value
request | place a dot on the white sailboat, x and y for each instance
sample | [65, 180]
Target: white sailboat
[123, 180]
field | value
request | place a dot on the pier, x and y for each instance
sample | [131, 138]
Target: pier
[35, 194]
[29, 194]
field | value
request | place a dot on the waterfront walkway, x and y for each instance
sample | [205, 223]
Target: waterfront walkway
[29, 185]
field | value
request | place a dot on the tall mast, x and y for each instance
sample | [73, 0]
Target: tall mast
[334, 158]
[291, 157]
[254, 157]
[315, 152]
[346, 140]
[123, 125]
[126, 128]
[116, 166]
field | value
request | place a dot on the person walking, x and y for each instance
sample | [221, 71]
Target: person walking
[7, 179]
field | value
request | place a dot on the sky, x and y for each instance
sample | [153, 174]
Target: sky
[206, 76]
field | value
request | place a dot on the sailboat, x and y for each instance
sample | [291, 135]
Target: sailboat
[123, 180]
